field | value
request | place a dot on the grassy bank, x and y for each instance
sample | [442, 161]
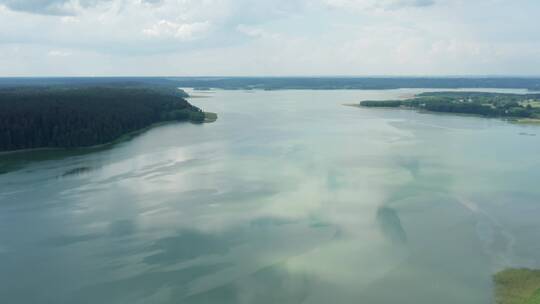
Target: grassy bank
[210, 117]
[517, 286]
[528, 121]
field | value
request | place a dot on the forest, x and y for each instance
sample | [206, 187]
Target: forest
[286, 83]
[60, 116]
[478, 103]
[355, 83]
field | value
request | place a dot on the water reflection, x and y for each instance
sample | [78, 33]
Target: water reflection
[315, 203]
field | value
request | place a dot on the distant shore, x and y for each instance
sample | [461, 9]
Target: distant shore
[515, 108]
[524, 121]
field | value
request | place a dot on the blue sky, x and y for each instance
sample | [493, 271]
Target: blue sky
[269, 37]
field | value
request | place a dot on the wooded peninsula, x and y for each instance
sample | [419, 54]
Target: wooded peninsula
[521, 107]
[81, 116]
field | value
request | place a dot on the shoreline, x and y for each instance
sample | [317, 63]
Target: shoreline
[517, 286]
[122, 138]
[209, 118]
[514, 120]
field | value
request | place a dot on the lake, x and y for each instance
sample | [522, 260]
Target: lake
[290, 197]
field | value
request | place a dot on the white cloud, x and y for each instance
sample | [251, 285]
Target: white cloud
[69, 19]
[378, 4]
[276, 37]
[50, 7]
[185, 31]
[256, 32]
[250, 31]
[59, 53]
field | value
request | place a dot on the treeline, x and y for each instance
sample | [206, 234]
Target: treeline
[487, 95]
[67, 117]
[484, 104]
[480, 109]
[363, 83]
[280, 83]
[156, 83]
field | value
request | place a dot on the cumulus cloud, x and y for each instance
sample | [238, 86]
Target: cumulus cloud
[182, 31]
[69, 19]
[378, 4]
[275, 37]
[251, 31]
[49, 7]
[58, 53]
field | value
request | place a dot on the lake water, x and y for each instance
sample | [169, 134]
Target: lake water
[290, 197]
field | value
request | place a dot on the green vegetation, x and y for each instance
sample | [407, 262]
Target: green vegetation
[210, 117]
[517, 286]
[81, 116]
[518, 106]
[287, 83]
[356, 83]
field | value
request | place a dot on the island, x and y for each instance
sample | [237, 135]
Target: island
[517, 286]
[72, 116]
[517, 107]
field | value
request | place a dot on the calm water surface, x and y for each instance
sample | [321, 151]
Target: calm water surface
[290, 197]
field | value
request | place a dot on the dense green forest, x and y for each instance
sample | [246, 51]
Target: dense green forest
[479, 103]
[79, 116]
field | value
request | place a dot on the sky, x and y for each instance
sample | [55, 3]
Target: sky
[269, 37]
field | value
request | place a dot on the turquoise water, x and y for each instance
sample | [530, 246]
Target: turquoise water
[290, 197]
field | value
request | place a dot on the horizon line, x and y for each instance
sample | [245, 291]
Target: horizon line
[282, 76]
